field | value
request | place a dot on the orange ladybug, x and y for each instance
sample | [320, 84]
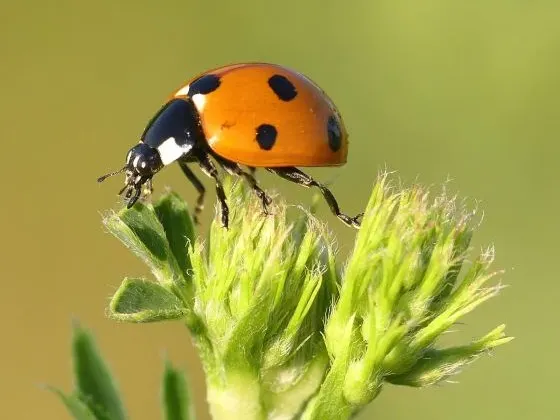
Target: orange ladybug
[251, 114]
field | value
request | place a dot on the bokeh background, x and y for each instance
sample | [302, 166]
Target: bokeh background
[435, 89]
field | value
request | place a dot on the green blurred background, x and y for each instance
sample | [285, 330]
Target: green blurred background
[431, 89]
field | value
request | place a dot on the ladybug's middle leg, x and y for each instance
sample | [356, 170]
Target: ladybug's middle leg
[295, 175]
[234, 169]
[198, 186]
[207, 166]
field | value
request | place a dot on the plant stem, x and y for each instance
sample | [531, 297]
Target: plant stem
[235, 394]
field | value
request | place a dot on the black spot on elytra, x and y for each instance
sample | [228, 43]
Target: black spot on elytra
[266, 136]
[282, 87]
[334, 133]
[204, 85]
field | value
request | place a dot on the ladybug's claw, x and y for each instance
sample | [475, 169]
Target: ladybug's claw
[135, 187]
[358, 217]
[134, 198]
[351, 221]
[356, 222]
[195, 216]
[225, 216]
[265, 200]
[198, 209]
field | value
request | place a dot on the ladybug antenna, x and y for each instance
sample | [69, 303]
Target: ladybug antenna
[104, 177]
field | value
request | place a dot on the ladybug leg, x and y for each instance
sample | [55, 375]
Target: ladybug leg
[234, 169]
[133, 192]
[199, 188]
[134, 198]
[209, 169]
[295, 175]
[147, 188]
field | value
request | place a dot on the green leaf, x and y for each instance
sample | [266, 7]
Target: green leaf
[139, 300]
[176, 401]
[76, 407]
[93, 379]
[173, 214]
[139, 229]
[437, 365]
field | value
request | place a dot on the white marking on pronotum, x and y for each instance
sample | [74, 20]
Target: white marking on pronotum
[143, 164]
[170, 151]
[199, 101]
[136, 159]
[184, 91]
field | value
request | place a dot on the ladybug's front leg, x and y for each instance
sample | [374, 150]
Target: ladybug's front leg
[209, 169]
[147, 188]
[198, 186]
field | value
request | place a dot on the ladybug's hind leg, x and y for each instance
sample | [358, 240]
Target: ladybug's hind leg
[199, 188]
[234, 169]
[295, 175]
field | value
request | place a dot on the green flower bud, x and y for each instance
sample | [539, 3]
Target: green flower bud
[282, 331]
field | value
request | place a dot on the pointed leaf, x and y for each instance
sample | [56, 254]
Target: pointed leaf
[177, 404]
[93, 379]
[76, 407]
[139, 229]
[173, 214]
[139, 300]
[437, 365]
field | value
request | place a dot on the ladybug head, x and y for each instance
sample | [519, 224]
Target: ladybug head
[142, 163]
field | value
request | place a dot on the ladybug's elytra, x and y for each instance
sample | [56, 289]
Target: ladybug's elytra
[251, 114]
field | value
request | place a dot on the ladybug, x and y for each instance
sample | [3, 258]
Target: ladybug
[257, 115]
